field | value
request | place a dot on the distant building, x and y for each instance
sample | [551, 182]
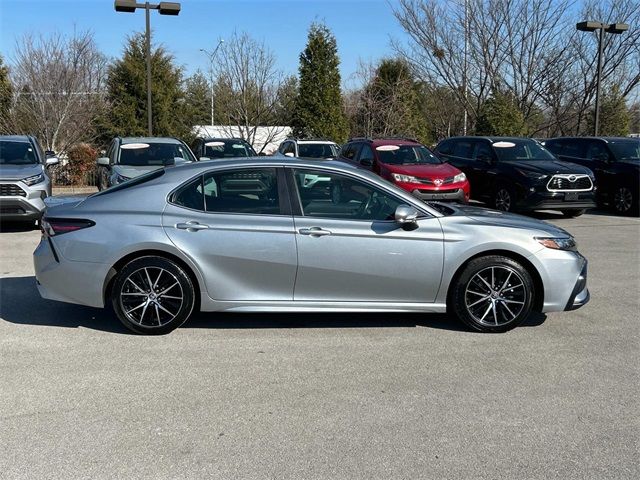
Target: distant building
[264, 139]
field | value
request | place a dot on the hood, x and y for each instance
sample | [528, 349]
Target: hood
[506, 219]
[549, 167]
[18, 172]
[131, 171]
[425, 170]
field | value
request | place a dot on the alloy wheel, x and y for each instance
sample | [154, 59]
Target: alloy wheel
[503, 200]
[151, 297]
[623, 199]
[495, 296]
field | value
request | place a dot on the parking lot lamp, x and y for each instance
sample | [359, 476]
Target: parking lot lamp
[616, 28]
[212, 56]
[165, 8]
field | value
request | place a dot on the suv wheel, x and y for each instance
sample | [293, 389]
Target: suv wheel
[624, 201]
[152, 295]
[503, 199]
[573, 213]
[492, 294]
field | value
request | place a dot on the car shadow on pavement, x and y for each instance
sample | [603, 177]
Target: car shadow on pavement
[20, 303]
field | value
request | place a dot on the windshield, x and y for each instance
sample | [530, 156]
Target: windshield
[228, 149]
[521, 149]
[317, 150]
[151, 154]
[17, 153]
[626, 150]
[406, 155]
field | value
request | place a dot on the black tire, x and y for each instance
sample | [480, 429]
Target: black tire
[573, 213]
[132, 287]
[504, 198]
[625, 201]
[480, 314]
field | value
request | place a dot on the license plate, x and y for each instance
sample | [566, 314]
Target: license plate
[570, 196]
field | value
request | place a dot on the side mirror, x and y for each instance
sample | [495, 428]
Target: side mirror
[52, 161]
[406, 215]
[366, 162]
[289, 154]
[103, 161]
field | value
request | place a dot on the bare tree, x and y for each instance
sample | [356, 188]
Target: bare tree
[247, 88]
[58, 83]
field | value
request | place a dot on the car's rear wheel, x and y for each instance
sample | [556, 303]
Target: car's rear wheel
[503, 199]
[573, 213]
[625, 202]
[492, 294]
[152, 295]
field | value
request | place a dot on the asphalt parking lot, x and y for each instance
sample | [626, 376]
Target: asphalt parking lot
[325, 396]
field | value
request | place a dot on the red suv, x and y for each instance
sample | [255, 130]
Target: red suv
[410, 165]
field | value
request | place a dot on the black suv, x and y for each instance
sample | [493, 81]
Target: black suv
[220, 148]
[615, 163]
[520, 174]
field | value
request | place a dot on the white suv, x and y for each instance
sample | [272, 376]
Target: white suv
[309, 149]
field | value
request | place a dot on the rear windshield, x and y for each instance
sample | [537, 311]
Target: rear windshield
[133, 182]
[521, 149]
[626, 150]
[317, 150]
[150, 154]
[224, 148]
[17, 153]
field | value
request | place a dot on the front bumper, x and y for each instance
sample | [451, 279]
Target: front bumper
[580, 295]
[452, 195]
[20, 208]
[545, 200]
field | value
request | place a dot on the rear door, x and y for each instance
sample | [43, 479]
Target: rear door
[483, 169]
[351, 250]
[235, 224]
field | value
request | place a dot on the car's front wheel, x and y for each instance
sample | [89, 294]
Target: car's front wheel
[625, 201]
[152, 295]
[492, 294]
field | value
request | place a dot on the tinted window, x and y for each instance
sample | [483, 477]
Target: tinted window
[145, 154]
[250, 191]
[572, 148]
[462, 148]
[596, 151]
[330, 195]
[483, 151]
[626, 150]
[317, 150]
[190, 196]
[349, 150]
[366, 153]
[17, 153]
[445, 147]
[289, 147]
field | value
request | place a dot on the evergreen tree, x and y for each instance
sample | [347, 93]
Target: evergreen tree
[127, 94]
[319, 109]
[500, 116]
[615, 117]
[6, 97]
[198, 99]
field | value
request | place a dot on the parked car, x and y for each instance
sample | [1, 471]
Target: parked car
[519, 174]
[410, 165]
[317, 149]
[615, 163]
[129, 157]
[24, 180]
[221, 148]
[244, 235]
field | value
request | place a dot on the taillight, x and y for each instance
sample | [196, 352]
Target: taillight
[58, 226]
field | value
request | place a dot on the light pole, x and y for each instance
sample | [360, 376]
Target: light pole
[165, 8]
[601, 27]
[212, 56]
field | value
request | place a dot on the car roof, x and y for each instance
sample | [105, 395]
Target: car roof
[376, 142]
[222, 139]
[125, 140]
[605, 139]
[306, 141]
[491, 139]
[15, 138]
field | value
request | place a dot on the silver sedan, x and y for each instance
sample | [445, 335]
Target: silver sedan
[256, 235]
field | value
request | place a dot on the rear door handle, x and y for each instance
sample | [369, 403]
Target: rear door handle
[192, 226]
[314, 232]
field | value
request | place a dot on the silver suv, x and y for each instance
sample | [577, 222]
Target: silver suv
[24, 181]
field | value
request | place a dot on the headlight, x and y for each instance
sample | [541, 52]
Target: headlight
[121, 178]
[558, 243]
[404, 178]
[532, 175]
[34, 179]
[461, 177]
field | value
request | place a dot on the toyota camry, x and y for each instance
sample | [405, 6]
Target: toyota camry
[258, 235]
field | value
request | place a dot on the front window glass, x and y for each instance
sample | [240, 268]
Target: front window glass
[317, 150]
[626, 150]
[521, 149]
[228, 149]
[150, 154]
[330, 195]
[17, 153]
[406, 155]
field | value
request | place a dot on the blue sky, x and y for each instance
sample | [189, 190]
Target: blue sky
[363, 28]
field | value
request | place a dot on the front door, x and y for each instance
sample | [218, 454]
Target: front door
[235, 226]
[351, 249]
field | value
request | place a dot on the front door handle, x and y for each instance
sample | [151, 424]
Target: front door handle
[314, 231]
[191, 226]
